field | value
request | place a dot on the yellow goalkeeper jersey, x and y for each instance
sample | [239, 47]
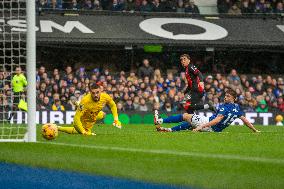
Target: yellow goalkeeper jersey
[88, 110]
[19, 82]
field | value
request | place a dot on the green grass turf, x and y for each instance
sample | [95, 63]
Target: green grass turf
[12, 131]
[173, 168]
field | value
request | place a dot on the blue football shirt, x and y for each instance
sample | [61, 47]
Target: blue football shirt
[230, 111]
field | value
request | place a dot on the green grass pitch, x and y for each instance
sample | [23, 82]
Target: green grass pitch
[236, 158]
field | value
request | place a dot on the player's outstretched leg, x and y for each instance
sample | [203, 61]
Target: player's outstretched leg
[69, 130]
[72, 130]
[171, 119]
[157, 119]
[163, 129]
[183, 126]
[180, 127]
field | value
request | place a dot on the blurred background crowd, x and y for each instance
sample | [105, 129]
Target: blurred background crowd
[233, 7]
[237, 7]
[147, 88]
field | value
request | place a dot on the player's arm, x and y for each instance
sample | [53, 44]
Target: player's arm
[248, 124]
[113, 109]
[198, 73]
[24, 80]
[187, 95]
[187, 90]
[74, 101]
[210, 123]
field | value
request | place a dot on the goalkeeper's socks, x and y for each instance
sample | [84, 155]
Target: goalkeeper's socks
[173, 119]
[182, 126]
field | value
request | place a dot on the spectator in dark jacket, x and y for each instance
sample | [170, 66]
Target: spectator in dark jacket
[54, 4]
[105, 4]
[166, 6]
[75, 5]
[129, 105]
[157, 6]
[279, 8]
[45, 105]
[223, 6]
[146, 70]
[42, 5]
[245, 8]
[88, 5]
[116, 6]
[192, 8]
[145, 6]
[130, 5]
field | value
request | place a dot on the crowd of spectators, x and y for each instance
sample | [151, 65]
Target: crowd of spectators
[233, 7]
[238, 7]
[148, 89]
[186, 6]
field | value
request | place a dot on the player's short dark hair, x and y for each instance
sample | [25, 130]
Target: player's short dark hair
[185, 55]
[18, 67]
[94, 86]
[232, 92]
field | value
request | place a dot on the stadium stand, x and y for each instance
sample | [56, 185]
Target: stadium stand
[56, 87]
[233, 7]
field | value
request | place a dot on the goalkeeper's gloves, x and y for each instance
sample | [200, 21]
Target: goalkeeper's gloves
[74, 101]
[117, 124]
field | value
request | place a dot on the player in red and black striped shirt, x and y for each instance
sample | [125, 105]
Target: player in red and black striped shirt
[195, 86]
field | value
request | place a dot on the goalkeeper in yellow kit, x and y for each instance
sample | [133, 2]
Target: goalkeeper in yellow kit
[89, 110]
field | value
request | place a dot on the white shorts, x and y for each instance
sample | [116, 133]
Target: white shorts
[198, 120]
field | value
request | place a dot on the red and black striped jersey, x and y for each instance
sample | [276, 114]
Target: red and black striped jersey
[193, 77]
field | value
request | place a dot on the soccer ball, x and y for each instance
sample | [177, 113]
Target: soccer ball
[49, 131]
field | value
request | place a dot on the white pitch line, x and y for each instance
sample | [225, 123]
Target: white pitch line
[176, 153]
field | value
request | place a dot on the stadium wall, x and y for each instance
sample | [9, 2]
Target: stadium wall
[167, 30]
[164, 29]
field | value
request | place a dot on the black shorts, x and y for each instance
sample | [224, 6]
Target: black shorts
[196, 98]
[17, 97]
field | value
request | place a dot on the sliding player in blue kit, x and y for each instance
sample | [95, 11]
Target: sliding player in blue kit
[226, 114]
